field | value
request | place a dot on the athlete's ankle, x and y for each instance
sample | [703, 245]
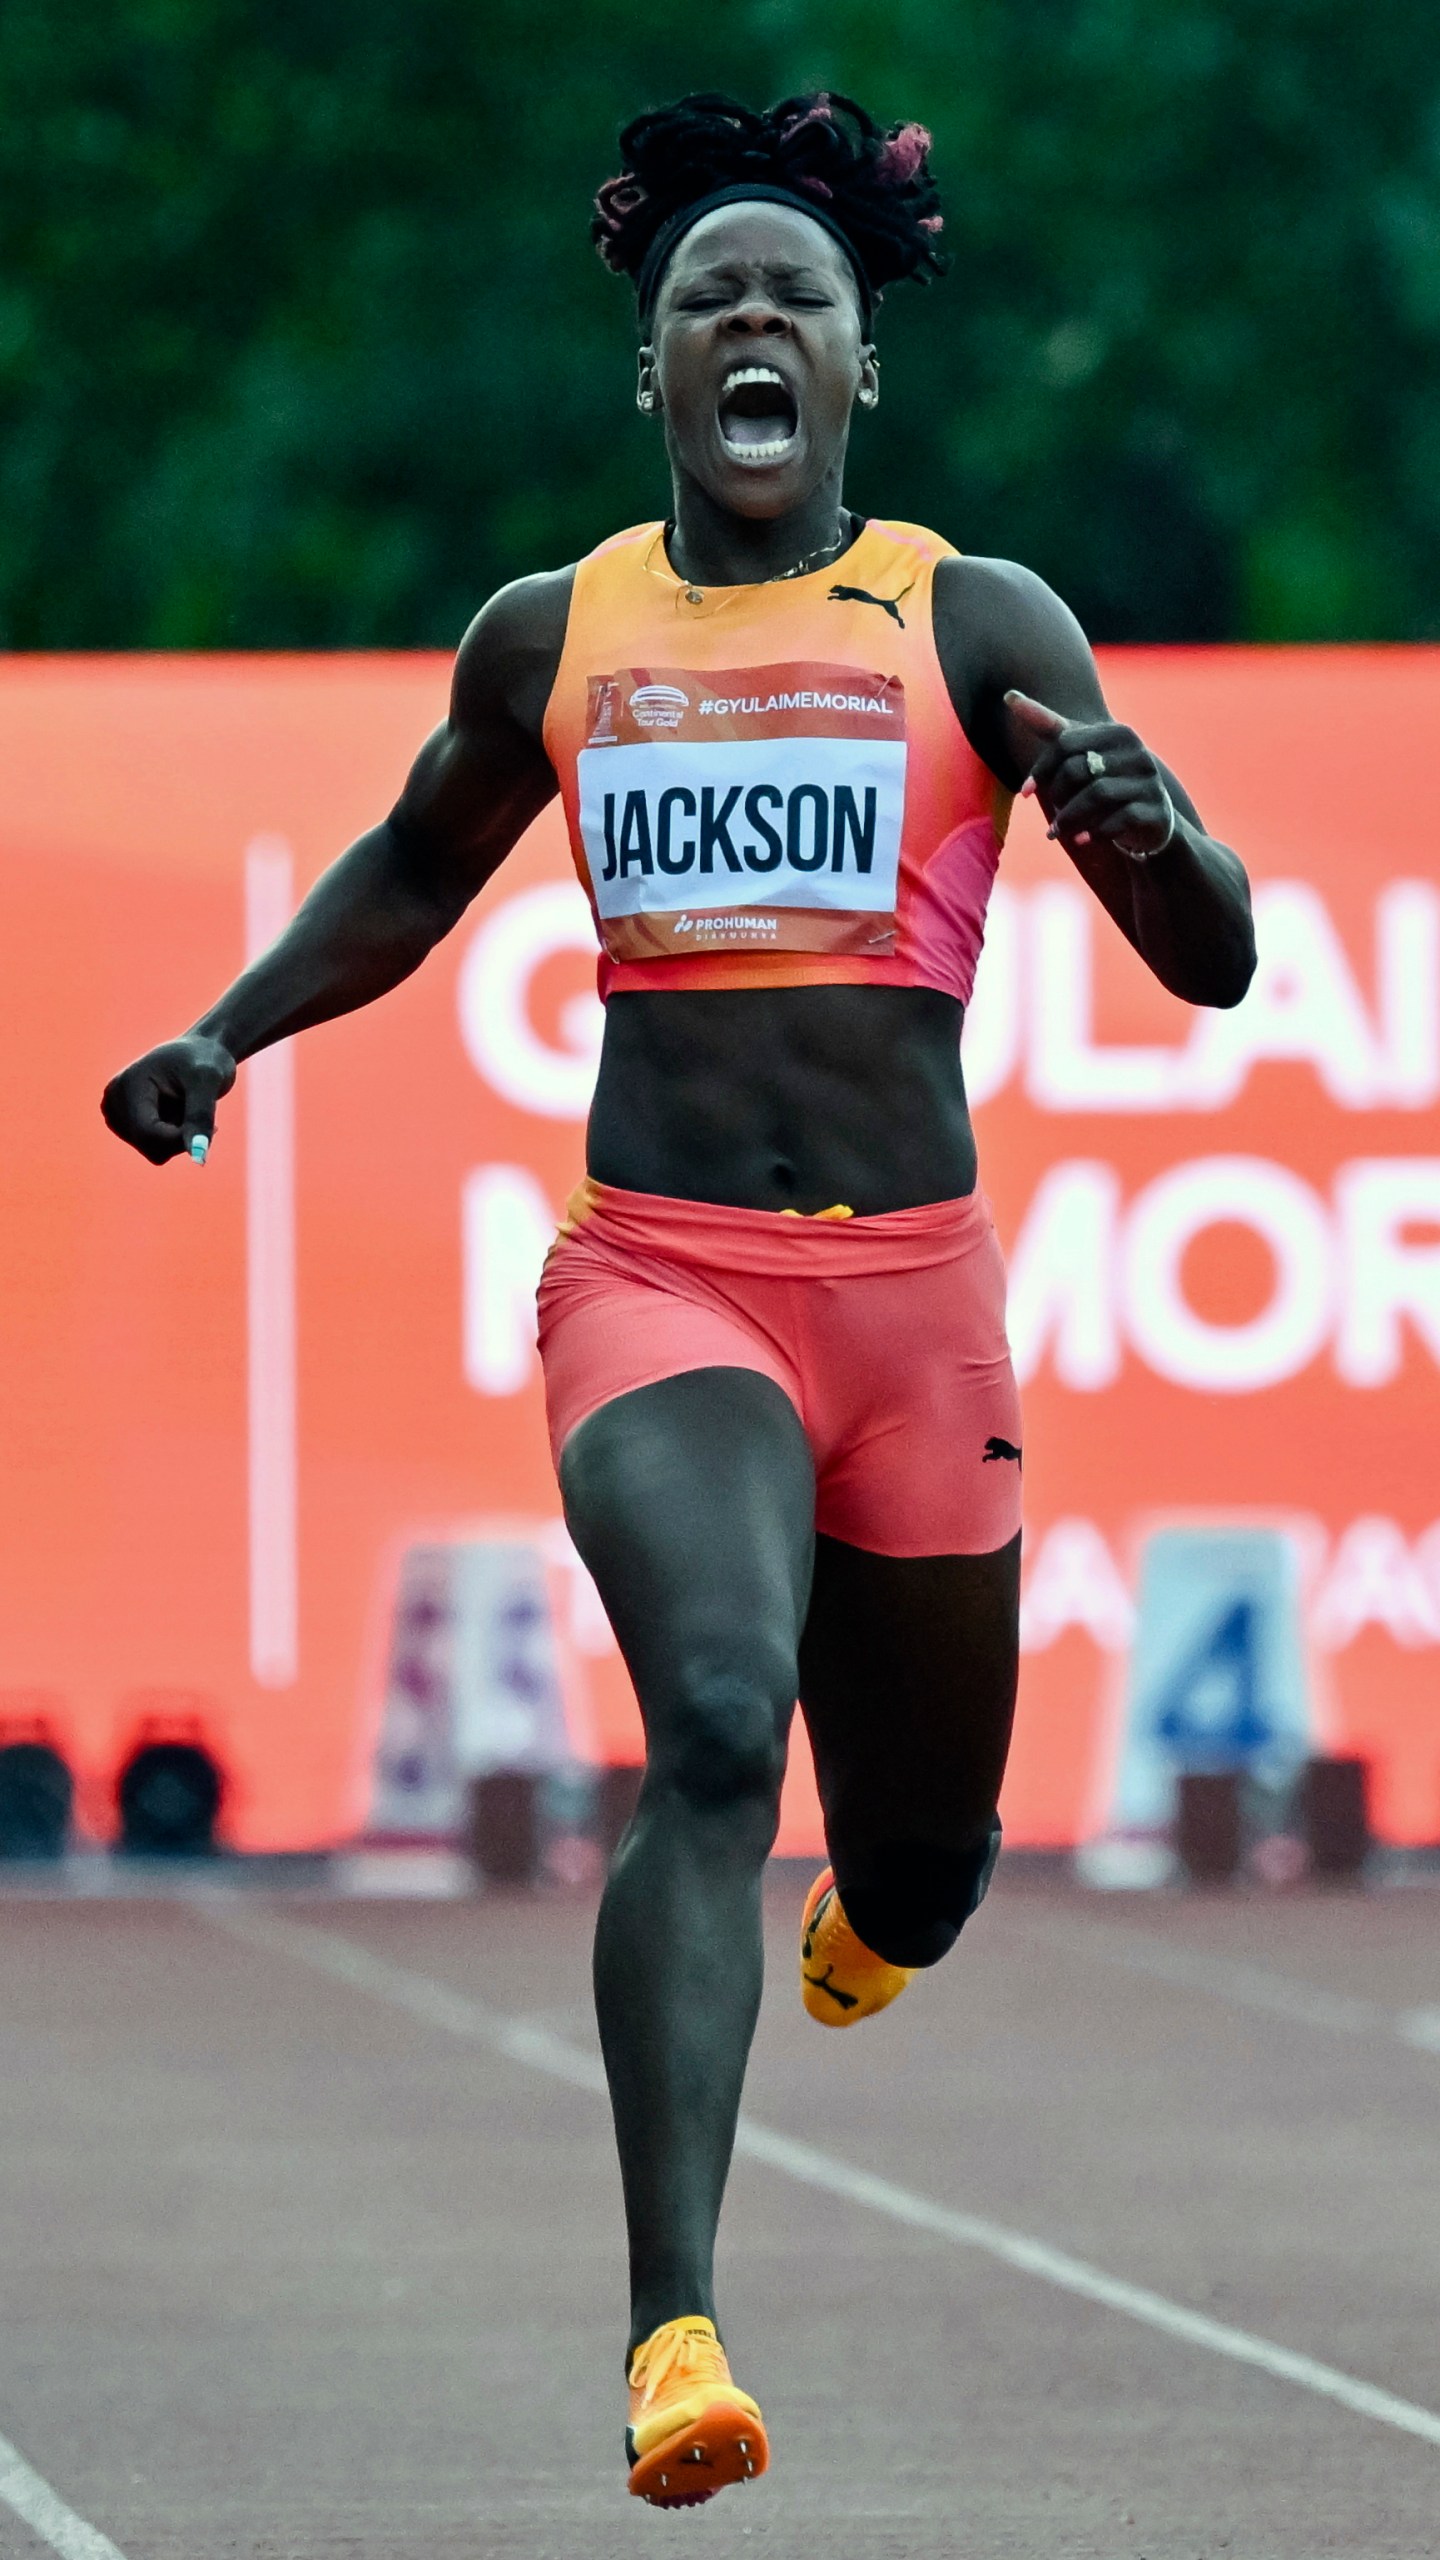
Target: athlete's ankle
[661, 2303]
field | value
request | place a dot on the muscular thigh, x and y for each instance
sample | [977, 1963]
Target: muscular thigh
[692, 1503]
[907, 1680]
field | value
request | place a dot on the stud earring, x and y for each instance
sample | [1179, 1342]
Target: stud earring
[868, 399]
[645, 400]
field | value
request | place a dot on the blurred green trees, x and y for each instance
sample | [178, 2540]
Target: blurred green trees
[302, 342]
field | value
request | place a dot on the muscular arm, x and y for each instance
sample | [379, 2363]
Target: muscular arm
[1001, 632]
[373, 916]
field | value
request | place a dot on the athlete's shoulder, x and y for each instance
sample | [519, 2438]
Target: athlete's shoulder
[533, 612]
[517, 614]
[514, 644]
[1000, 597]
[998, 625]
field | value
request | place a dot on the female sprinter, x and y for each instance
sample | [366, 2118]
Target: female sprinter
[772, 1324]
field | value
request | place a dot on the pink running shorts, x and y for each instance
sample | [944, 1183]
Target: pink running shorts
[887, 1334]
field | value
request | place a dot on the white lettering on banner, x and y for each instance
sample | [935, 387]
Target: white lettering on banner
[1305, 1005]
[1088, 1277]
[1062, 1278]
[1387, 1274]
[1374, 1580]
[1164, 1221]
[1034, 996]
[507, 1227]
[508, 947]
[1075, 1581]
[1407, 973]
[1085, 1278]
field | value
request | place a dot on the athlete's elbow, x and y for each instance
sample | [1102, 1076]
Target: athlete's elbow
[1218, 981]
[1232, 954]
[1232, 978]
[420, 880]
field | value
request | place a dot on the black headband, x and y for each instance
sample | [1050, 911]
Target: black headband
[671, 232]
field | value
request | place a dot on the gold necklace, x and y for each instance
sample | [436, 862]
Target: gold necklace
[687, 592]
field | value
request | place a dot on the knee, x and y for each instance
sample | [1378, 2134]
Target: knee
[722, 1745]
[908, 1900]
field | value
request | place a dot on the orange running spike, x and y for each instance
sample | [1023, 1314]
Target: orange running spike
[692, 2431]
[841, 1981]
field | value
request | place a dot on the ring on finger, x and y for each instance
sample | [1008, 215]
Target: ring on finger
[1095, 761]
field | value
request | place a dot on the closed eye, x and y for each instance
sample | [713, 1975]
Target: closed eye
[717, 301]
[804, 297]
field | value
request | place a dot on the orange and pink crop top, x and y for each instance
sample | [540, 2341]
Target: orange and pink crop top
[768, 786]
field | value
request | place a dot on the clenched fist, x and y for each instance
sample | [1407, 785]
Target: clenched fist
[166, 1101]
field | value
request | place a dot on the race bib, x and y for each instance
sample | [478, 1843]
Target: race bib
[748, 808]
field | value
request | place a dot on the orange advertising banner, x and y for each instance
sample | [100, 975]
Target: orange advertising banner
[235, 1399]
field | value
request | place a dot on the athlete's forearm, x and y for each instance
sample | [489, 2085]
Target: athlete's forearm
[1192, 917]
[367, 924]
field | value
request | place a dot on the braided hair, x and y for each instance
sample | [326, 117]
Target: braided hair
[871, 189]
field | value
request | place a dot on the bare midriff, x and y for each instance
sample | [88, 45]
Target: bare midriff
[785, 1098]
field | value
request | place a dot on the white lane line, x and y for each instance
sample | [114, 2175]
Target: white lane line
[1420, 2027]
[1246, 1986]
[458, 2015]
[44, 2510]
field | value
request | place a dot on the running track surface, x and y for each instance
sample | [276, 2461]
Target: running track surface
[309, 2251]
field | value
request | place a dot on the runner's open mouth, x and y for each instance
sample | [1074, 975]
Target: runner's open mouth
[758, 416]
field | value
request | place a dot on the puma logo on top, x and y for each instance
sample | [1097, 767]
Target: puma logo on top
[862, 595]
